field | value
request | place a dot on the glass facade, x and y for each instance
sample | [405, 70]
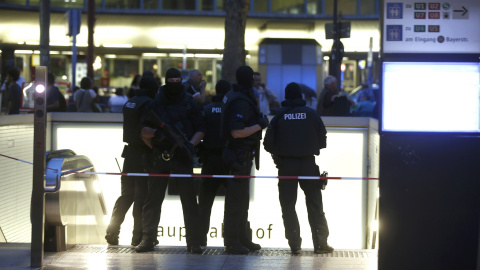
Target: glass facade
[178, 4]
[345, 7]
[260, 6]
[318, 8]
[59, 3]
[288, 6]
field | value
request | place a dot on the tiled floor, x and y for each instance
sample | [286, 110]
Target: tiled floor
[124, 257]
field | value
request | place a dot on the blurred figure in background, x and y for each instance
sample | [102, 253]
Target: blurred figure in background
[265, 96]
[333, 101]
[195, 86]
[116, 102]
[55, 100]
[14, 92]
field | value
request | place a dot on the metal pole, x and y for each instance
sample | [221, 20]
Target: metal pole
[91, 47]
[74, 61]
[37, 208]
[45, 33]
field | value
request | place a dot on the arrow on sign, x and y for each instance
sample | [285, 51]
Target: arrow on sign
[464, 11]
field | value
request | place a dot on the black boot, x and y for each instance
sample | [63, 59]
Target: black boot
[236, 248]
[322, 249]
[145, 245]
[251, 246]
[296, 246]
[195, 248]
[112, 239]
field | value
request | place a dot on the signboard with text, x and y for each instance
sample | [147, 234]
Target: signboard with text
[415, 26]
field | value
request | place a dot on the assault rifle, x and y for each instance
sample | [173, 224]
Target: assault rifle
[173, 133]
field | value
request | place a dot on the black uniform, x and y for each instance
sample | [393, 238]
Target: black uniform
[295, 135]
[181, 111]
[239, 111]
[212, 147]
[134, 188]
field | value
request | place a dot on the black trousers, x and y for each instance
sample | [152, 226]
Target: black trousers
[212, 164]
[156, 194]
[287, 189]
[237, 201]
[134, 190]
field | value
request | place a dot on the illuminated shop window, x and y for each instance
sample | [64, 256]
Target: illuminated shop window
[176, 63]
[150, 65]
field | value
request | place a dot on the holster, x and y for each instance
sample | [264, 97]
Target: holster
[236, 159]
[321, 183]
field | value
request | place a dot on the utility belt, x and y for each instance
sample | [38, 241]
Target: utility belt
[320, 183]
[238, 158]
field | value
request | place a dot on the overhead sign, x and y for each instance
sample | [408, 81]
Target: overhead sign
[415, 26]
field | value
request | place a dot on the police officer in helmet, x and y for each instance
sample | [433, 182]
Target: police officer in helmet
[242, 125]
[212, 147]
[178, 110]
[296, 134]
[134, 188]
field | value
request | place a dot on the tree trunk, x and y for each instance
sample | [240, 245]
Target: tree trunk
[234, 52]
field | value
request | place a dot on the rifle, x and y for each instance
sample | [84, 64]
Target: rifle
[173, 133]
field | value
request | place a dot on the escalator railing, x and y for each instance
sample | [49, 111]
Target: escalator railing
[74, 203]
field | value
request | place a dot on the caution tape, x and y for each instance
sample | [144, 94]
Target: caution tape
[205, 175]
[24, 161]
[228, 176]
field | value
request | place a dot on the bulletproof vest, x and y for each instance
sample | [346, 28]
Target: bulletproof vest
[228, 100]
[132, 111]
[297, 131]
[176, 112]
[213, 115]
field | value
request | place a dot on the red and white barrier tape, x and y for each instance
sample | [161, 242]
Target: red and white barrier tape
[206, 175]
[24, 161]
[232, 176]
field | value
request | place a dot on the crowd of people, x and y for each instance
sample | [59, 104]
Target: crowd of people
[166, 126]
[229, 129]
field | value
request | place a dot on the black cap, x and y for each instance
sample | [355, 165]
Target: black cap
[172, 73]
[148, 83]
[293, 91]
[245, 76]
[222, 87]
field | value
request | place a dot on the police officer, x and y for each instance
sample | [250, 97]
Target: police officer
[242, 125]
[134, 189]
[178, 110]
[212, 147]
[296, 134]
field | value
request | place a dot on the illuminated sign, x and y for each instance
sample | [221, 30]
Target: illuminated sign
[411, 26]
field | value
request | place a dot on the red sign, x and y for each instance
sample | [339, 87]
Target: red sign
[434, 6]
[434, 28]
[434, 15]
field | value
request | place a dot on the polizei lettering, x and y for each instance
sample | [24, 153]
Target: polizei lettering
[295, 116]
[216, 109]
